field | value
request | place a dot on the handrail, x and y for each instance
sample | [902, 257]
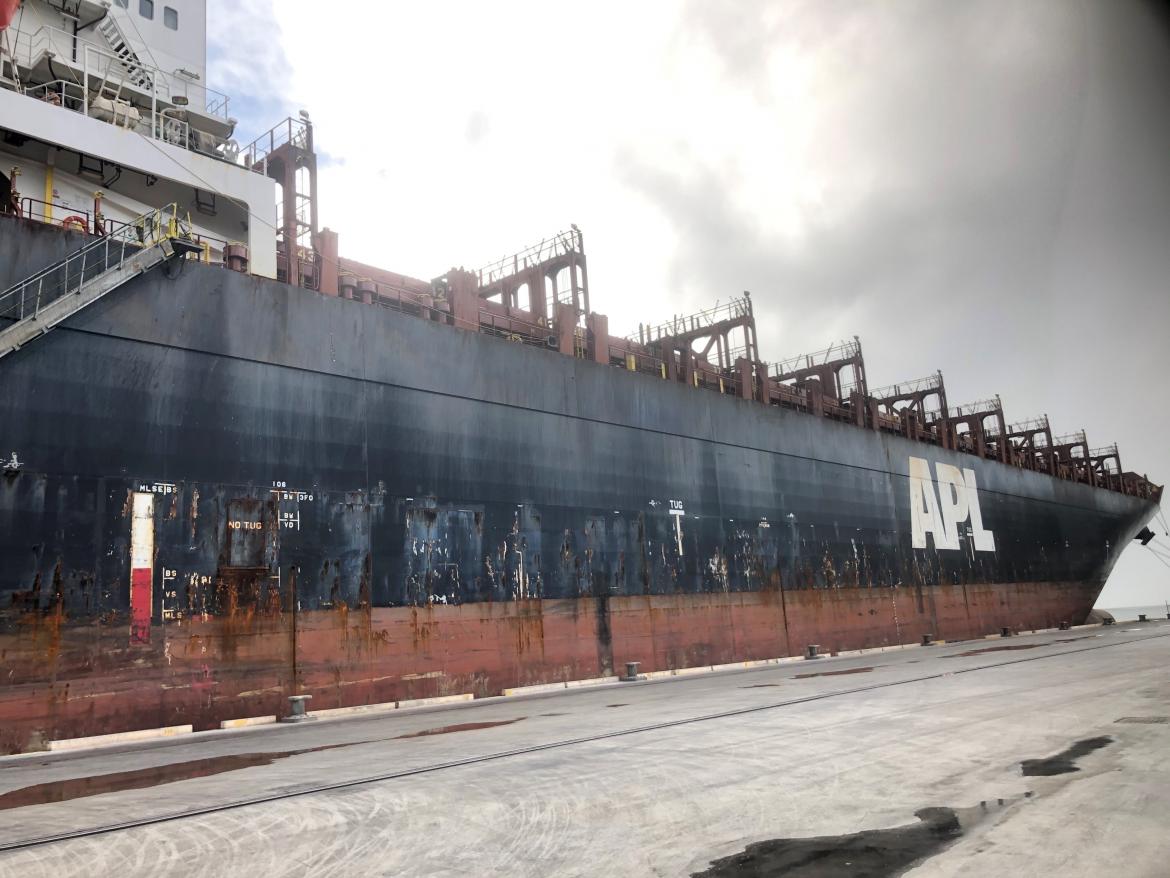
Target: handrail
[1077, 437]
[67, 211]
[1038, 423]
[27, 45]
[99, 83]
[914, 385]
[59, 93]
[683, 323]
[68, 275]
[294, 131]
[979, 407]
[842, 350]
[560, 244]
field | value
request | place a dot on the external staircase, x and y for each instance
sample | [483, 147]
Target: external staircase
[136, 72]
[40, 302]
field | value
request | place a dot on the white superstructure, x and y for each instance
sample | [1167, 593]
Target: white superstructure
[112, 98]
[173, 33]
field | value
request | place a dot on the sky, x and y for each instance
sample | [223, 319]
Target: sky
[978, 187]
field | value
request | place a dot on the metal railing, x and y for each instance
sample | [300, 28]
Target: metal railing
[736, 352]
[842, 350]
[634, 357]
[1028, 424]
[980, 407]
[1109, 459]
[515, 329]
[908, 388]
[295, 131]
[59, 93]
[1075, 438]
[92, 80]
[683, 323]
[787, 395]
[211, 245]
[70, 50]
[560, 244]
[56, 213]
[28, 297]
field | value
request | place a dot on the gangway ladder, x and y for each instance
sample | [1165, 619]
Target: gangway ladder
[40, 302]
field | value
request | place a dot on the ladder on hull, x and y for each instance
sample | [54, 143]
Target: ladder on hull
[42, 301]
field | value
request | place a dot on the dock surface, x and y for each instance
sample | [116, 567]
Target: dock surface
[1038, 754]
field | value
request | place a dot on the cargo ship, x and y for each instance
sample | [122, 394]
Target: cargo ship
[238, 466]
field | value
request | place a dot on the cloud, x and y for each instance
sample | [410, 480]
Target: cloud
[246, 60]
[478, 127]
[913, 184]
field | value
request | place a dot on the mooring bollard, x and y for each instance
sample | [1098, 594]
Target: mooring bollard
[1005, 632]
[631, 672]
[1063, 626]
[813, 651]
[296, 709]
[1141, 617]
[927, 639]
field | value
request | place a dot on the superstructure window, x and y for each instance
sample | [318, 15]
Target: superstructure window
[171, 17]
[146, 8]
[122, 3]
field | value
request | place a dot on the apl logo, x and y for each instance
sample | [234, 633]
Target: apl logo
[940, 512]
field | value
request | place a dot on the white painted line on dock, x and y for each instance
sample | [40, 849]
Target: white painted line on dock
[538, 688]
[438, 699]
[388, 706]
[244, 722]
[118, 738]
[329, 712]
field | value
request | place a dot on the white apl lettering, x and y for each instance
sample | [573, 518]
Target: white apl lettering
[941, 513]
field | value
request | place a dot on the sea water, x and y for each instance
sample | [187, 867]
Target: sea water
[1129, 614]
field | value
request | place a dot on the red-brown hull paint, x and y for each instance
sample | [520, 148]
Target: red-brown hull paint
[65, 681]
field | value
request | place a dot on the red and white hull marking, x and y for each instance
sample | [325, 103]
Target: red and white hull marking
[141, 567]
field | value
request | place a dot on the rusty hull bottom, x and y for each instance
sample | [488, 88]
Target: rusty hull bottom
[67, 680]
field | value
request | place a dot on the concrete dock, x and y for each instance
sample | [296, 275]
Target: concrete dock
[1040, 754]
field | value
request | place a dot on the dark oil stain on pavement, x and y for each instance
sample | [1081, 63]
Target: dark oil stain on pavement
[140, 778]
[1064, 761]
[760, 686]
[136, 779]
[460, 727]
[1014, 646]
[833, 673]
[987, 649]
[874, 852]
[619, 704]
